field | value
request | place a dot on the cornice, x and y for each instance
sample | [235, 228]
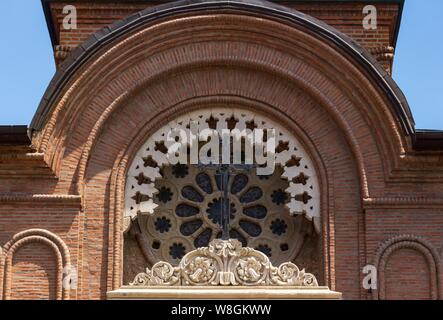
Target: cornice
[402, 202]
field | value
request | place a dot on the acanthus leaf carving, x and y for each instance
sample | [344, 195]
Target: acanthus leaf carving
[225, 263]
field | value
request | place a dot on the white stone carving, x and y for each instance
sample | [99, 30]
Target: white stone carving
[145, 169]
[225, 263]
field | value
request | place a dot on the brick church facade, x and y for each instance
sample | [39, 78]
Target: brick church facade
[365, 185]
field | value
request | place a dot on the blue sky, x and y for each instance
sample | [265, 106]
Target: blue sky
[27, 64]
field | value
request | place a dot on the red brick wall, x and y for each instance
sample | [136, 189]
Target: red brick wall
[34, 273]
[401, 276]
[375, 187]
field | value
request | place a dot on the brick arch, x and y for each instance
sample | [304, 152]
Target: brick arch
[417, 244]
[155, 118]
[240, 64]
[32, 236]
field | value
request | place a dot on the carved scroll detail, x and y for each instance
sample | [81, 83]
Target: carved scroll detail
[225, 263]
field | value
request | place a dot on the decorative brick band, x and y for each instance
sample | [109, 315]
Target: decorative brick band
[41, 198]
[383, 53]
[408, 202]
[61, 53]
[21, 239]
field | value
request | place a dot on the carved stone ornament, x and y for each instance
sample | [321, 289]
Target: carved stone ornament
[225, 263]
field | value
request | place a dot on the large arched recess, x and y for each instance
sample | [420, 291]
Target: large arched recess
[131, 78]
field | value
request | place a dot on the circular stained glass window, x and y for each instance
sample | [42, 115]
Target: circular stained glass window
[188, 215]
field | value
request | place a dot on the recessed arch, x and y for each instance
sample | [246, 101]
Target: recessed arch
[146, 128]
[40, 236]
[237, 63]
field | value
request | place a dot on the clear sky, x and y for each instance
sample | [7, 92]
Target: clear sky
[27, 64]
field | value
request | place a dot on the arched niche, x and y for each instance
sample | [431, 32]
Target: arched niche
[410, 260]
[53, 247]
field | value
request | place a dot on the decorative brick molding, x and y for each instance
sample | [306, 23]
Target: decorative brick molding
[21, 239]
[383, 53]
[61, 52]
[22, 156]
[402, 202]
[41, 198]
[23, 165]
[408, 242]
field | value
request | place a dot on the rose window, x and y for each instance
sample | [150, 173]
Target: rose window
[175, 209]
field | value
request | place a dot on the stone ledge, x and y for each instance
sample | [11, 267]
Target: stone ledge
[259, 293]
